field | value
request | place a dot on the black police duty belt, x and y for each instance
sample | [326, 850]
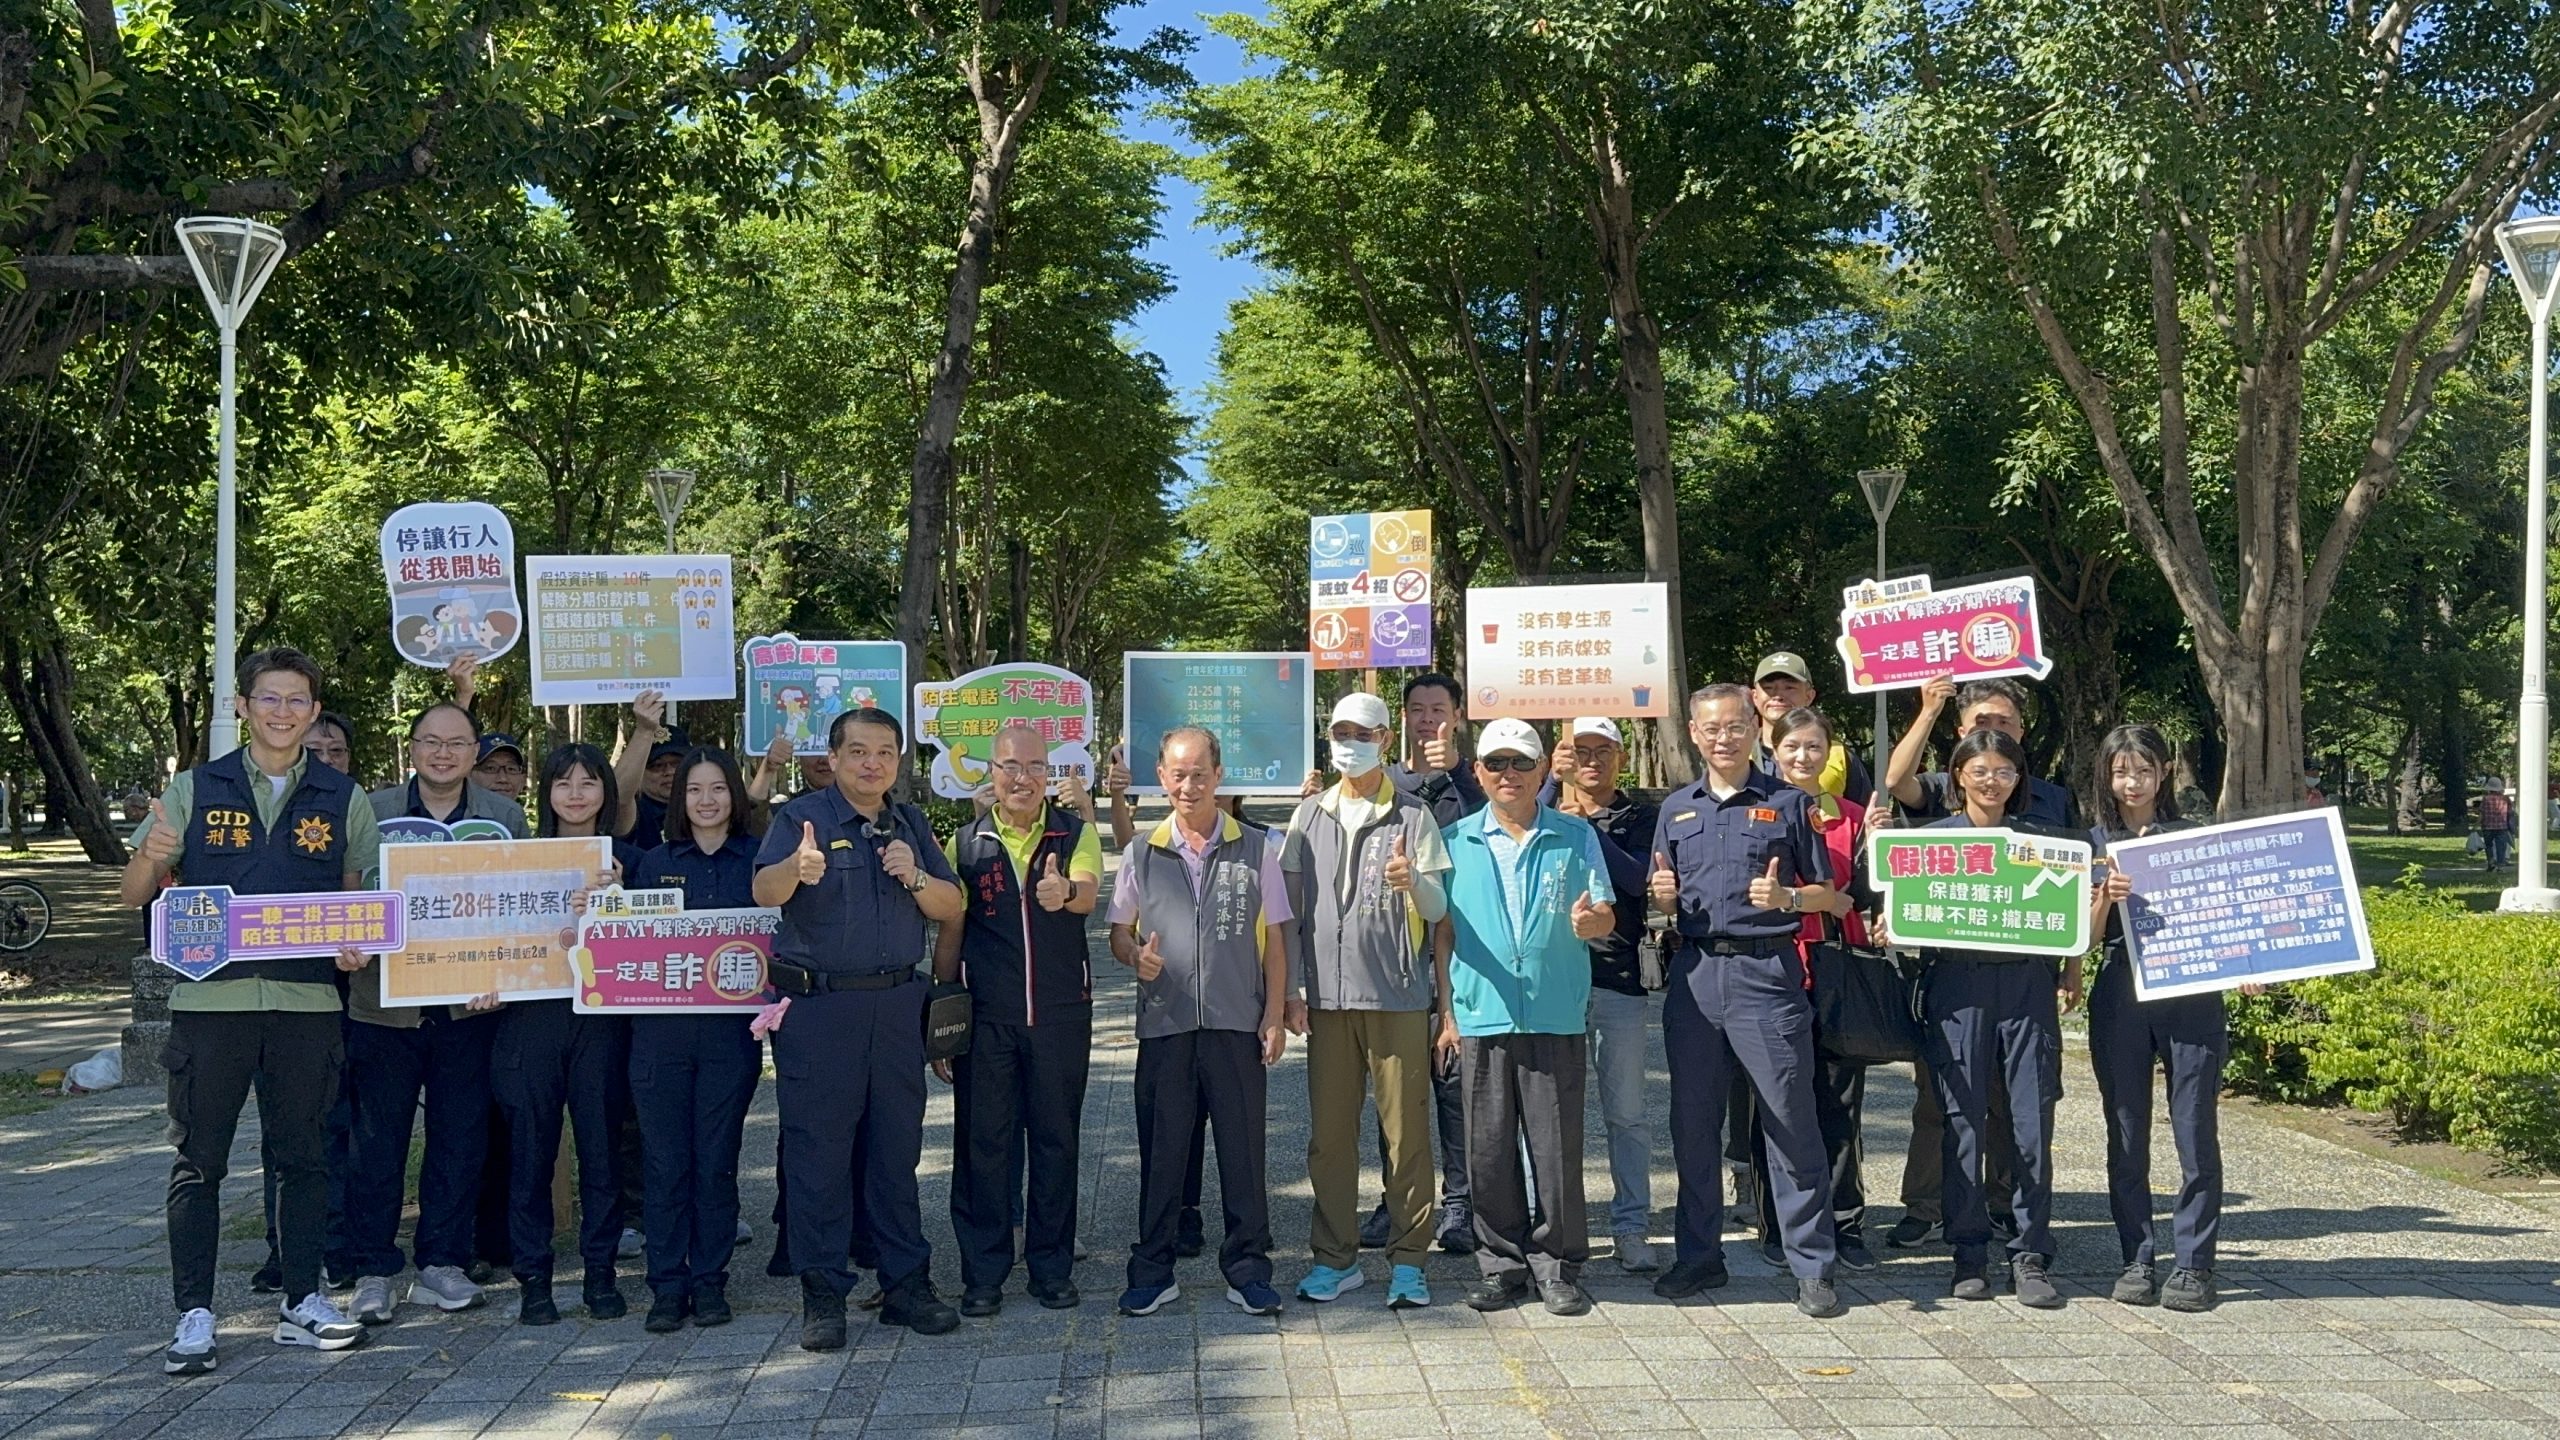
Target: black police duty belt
[1726, 945]
[793, 979]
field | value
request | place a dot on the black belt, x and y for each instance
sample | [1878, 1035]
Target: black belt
[1726, 945]
[793, 979]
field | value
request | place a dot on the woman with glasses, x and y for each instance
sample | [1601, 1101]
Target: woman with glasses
[548, 1056]
[1994, 1022]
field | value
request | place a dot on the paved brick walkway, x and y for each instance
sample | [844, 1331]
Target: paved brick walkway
[2362, 1300]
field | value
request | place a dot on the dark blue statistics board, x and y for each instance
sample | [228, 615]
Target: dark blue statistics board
[1259, 703]
[2251, 902]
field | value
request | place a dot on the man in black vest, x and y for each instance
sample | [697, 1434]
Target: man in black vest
[1031, 872]
[263, 820]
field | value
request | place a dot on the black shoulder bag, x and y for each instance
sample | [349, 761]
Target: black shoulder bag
[1864, 1011]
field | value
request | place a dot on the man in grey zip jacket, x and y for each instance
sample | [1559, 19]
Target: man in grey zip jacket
[1363, 863]
[1200, 912]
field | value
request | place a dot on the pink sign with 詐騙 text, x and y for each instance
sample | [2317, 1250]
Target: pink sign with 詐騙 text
[1898, 634]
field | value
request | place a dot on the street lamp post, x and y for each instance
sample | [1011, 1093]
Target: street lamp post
[2532, 248]
[232, 258]
[1882, 486]
[670, 489]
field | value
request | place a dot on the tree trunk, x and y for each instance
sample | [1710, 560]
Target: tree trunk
[2088, 691]
[2408, 809]
[37, 677]
[1018, 557]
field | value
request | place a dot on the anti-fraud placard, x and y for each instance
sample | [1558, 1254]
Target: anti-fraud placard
[1982, 889]
[198, 929]
[797, 687]
[687, 962]
[606, 627]
[2247, 903]
[1259, 703]
[488, 917]
[959, 717]
[451, 567]
[1897, 634]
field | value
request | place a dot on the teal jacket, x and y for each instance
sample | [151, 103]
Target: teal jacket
[1537, 982]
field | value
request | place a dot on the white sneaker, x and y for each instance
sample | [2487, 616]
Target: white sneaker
[191, 1353]
[316, 1322]
[445, 1287]
[373, 1302]
[633, 1245]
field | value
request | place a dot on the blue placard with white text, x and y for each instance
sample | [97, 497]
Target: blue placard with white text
[2250, 902]
[1259, 703]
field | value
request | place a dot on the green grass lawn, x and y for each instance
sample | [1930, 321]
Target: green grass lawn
[2381, 859]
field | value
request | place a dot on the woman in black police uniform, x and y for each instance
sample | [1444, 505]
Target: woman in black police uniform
[1994, 1021]
[546, 1056]
[693, 1076]
[2130, 1038]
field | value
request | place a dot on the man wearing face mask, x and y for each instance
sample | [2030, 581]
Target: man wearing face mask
[1363, 864]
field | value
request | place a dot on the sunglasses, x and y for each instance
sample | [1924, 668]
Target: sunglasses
[1522, 764]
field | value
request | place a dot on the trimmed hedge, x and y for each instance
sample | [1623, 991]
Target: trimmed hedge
[2455, 1034]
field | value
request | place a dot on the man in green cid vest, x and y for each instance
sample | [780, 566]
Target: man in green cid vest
[263, 819]
[1528, 891]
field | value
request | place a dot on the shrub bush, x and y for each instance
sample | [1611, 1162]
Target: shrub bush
[2455, 1034]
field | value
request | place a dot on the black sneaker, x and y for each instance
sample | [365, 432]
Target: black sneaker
[821, 1315]
[1457, 1233]
[711, 1303]
[980, 1304]
[268, 1281]
[1373, 1228]
[1189, 1239]
[1773, 1253]
[534, 1306]
[605, 1302]
[666, 1313]
[1854, 1255]
[1061, 1296]
[1746, 1199]
[1563, 1297]
[1490, 1293]
[1818, 1298]
[2135, 1286]
[778, 1265]
[915, 1306]
[1911, 1231]
[1688, 1277]
[1971, 1285]
[2188, 1290]
[2034, 1288]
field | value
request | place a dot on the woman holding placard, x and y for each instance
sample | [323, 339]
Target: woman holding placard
[1994, 1019]
[694, 1075]
[2130, 1037]
[547, 1056]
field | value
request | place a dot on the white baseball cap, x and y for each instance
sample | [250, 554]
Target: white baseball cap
[1600, 725]
[1509, 736]
[1361, 708]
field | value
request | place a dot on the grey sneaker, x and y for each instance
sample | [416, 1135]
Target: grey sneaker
[2135, 1287]
[373, 1303]
[2188, 1290]
[191, 1353]
[445, 1287]
[1635, 1255]
[318, 1323]
[2028, 1281]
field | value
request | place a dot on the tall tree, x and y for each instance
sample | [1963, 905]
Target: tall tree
[2192, 202]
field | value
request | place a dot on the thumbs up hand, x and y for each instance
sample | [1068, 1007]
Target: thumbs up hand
[1664, 885]
[1438, 752]
[1766, 892]
[1399, 871]
[1053, 889]
[1590, 921]
[1149, 960]
[811, 860]
[164, 842]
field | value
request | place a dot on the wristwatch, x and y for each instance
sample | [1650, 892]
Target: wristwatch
[1790, 906]
[915, 882]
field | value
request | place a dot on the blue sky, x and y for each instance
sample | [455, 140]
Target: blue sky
[1183, 329]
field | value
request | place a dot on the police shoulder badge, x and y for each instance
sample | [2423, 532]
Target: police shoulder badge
[311, 835]
[1764, 817]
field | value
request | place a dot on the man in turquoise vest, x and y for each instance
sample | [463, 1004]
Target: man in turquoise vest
[1200, 912]
[1528, 891]
[264, 819]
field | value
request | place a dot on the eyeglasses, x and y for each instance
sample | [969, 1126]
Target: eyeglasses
[443, 747]
[288, 704]
[2004, 776]
[1734, 731]
[1584, 755]
[1518, 764]
[1022, 769]
[501, 769]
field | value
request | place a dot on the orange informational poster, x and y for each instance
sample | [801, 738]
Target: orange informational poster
[489, 917]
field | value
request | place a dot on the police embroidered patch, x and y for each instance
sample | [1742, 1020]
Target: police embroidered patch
[311, 835]
[1764, 817]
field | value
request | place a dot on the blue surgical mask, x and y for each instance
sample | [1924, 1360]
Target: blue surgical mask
[1355, 758]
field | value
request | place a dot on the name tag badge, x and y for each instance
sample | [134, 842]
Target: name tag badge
[1764, 817]
[840, 844]
[1684, 815]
